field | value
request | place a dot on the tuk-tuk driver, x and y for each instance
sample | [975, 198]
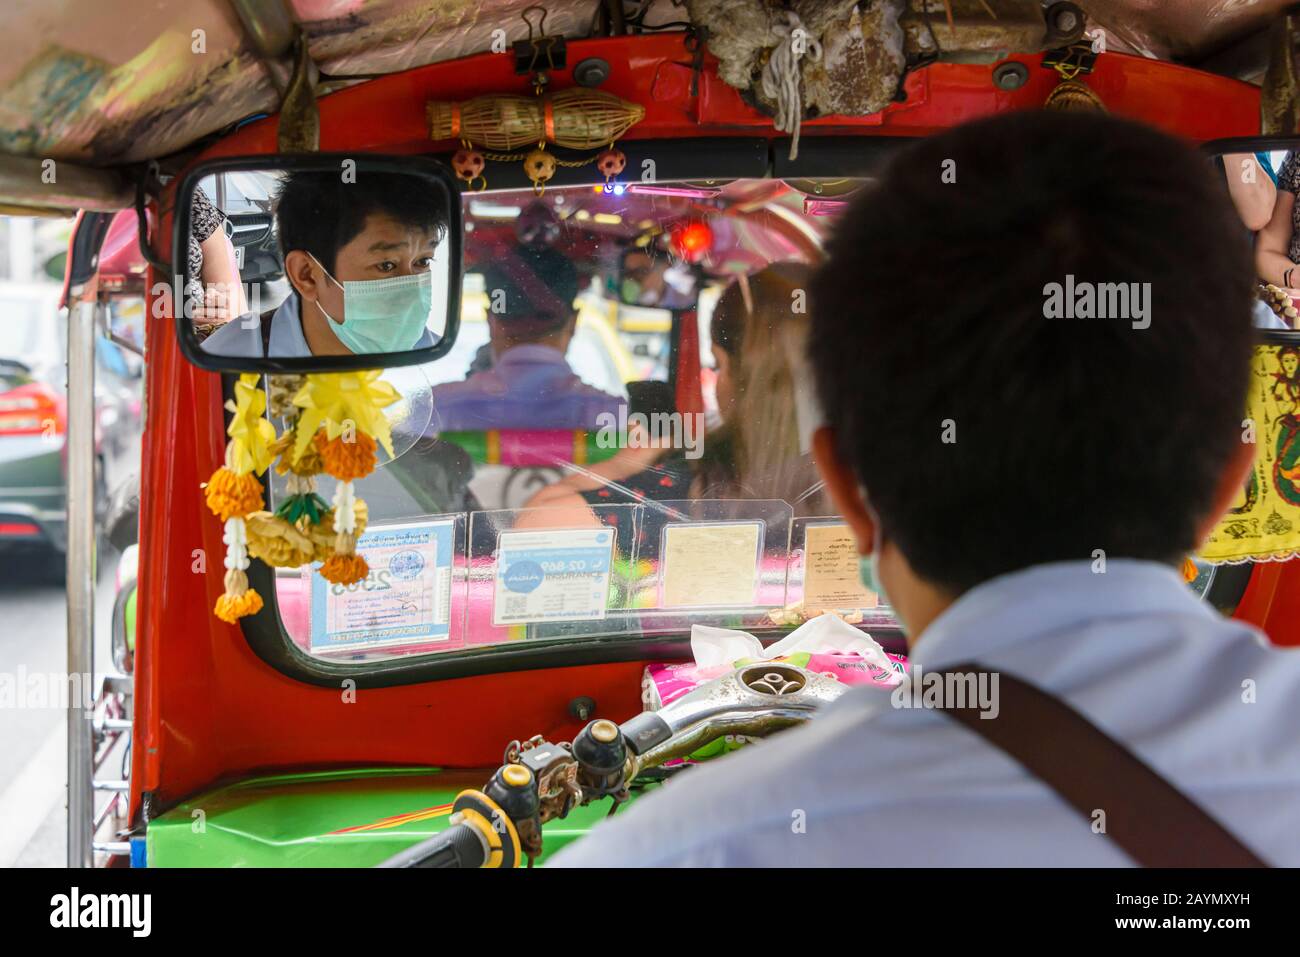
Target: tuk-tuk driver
[1023, 488]
[531, 319]
[358, 257]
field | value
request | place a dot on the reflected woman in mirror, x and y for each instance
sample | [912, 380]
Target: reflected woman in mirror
[212, 259]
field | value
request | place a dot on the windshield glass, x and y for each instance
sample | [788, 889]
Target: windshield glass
[618, 444]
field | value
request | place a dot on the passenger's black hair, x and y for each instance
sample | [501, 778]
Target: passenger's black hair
[531, 289]
[1067, 435]
[320, 213]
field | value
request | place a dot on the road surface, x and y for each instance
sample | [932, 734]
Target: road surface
[33, 750]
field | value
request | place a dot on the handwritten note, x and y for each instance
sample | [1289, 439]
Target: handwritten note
[710, 565]
[830, 577]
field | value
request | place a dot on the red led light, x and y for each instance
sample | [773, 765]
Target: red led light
[692, 241]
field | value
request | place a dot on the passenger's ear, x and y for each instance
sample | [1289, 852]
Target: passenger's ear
[303, 273]
[1231, 481]
[842, 485]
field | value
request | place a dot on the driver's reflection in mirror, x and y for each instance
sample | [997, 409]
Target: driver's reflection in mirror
[531, 317]
[359, 257]
[649, 279]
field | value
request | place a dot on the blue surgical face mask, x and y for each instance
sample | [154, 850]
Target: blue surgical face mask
[383, 315]
[869, 565]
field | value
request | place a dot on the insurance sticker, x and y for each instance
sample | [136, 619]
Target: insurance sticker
[406, 598]
[552, 575]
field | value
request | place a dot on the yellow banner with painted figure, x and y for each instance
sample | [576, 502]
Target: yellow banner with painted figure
[1263, 524]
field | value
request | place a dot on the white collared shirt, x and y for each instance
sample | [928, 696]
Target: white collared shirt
[1203, 700]
[242, 337]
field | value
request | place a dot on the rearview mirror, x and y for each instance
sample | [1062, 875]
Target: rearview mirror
[648, 277]
[317, 263]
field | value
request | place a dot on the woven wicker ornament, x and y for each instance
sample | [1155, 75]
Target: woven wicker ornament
[579, 119]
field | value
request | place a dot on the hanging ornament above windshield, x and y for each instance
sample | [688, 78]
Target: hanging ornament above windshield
[577, 119]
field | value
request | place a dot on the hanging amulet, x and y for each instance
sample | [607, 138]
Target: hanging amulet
[468, 164]
[540, 167]
[610, 162]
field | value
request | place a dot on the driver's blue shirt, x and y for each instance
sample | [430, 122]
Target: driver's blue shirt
[1203, 700]
[242, 337]
[529, 386]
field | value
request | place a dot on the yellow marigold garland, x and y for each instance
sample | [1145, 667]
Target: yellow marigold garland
[233, 492]
[343, 421]
[334, 423]
[324, 534]
[278, 542]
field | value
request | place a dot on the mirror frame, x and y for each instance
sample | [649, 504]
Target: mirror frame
[423, 166]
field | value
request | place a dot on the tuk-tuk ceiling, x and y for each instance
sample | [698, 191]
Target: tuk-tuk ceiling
[92, 82]
[89, 81]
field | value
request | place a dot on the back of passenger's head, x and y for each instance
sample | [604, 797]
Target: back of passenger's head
[317, 212]
[989, 437]
[761, 309]
[761, 322]
[531, 290]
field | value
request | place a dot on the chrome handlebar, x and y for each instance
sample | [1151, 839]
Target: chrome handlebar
[542, 781]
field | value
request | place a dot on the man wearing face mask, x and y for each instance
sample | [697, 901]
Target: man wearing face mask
[530, 385]
[359, 256]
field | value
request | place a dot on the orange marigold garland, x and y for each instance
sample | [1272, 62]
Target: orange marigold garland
[230, 495]
[233, 493]
[342, 420]
[346, 460]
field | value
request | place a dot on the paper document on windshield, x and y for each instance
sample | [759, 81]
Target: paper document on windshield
[710, 565]
[552, 575]
[405, 599]
[831, 577]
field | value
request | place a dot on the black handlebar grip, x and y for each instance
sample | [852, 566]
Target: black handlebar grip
[458, 846]
[645, 731]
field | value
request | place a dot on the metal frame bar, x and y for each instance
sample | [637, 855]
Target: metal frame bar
[81, 575]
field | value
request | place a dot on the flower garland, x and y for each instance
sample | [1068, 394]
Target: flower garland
[342, 423]
[334, 423]
[234, 492]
